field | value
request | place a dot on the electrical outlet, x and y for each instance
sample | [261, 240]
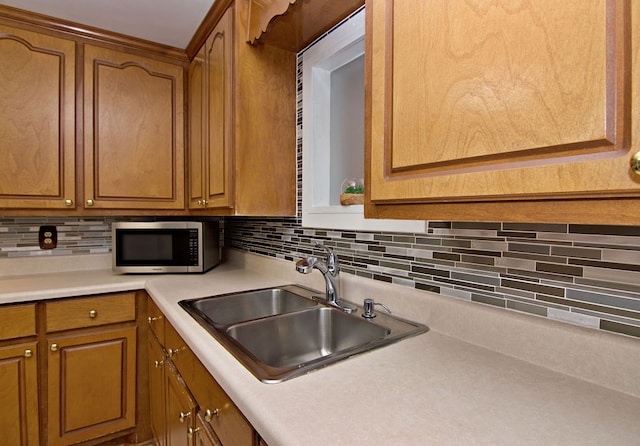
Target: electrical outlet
[48, 237]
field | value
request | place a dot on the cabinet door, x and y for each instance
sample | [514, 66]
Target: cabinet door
[19, 395]
[220, 414]
[133, 131]
[197, 126]
[180, 410]
[37, 120]
[219, 121]
[91, 385]
[157, 390]
[490, 101]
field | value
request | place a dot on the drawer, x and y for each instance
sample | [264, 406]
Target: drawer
[155, 319]
[90, 312]
[17, 321]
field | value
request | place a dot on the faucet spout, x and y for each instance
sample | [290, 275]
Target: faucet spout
[331, 272]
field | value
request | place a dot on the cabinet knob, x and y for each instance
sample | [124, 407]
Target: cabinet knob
[153, 319]
[157, 364]
[68, 203]
[183, 416]
[173, 351]
[54, 347]
[28, 353]
[635, 163]
[93, 314]
[192, 431]
[209, 414]
[89, 202]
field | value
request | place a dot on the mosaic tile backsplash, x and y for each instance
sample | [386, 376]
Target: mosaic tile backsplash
[581, 274]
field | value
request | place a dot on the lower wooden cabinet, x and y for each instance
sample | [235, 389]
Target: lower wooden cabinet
[91, 372]
[91, 385]
[157, 390]
[19, 419]
[196, 409]
[180, 409]
[68, 371]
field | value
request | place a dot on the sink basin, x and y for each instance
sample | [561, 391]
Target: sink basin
[283, 332]
[293, 339]
[232, 308]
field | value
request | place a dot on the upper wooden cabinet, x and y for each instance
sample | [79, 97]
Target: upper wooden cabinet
[210, 132]
[503, 110]
[133, 131]
[294, 24]
[242, 123]
[37, 120]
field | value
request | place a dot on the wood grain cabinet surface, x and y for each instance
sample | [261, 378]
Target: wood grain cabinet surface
[133, 131]
[91, 372]
[242, 118]
[211, 143]
[91, 384]
[181, 409]
[194, 406]
[37, 120]
[503, 111]
[19, 419]
[157, 385]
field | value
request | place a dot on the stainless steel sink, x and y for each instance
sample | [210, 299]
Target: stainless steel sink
[283, 332]
[298, 338]
[244, 306]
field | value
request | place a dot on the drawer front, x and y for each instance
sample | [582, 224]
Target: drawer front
[17, 321]
[90, 312]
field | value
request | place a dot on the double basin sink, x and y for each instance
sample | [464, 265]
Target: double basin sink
[283, 332]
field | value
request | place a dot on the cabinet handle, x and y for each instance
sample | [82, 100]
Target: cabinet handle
[93, 314]
[208, 414]
[90, 202]
[192, 431]
[183, 416]
[28, 353]
[157, 364]
[68, 203]
[635, 163]
[153, 319]
[54, 347]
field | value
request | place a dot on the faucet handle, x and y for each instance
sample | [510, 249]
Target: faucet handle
[368, 312]
[332, 259]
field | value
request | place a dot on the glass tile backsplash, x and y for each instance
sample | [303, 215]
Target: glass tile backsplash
[586, 275]
[580, 274]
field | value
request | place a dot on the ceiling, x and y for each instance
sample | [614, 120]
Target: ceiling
[169, 22]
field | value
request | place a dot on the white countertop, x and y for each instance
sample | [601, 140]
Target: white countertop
[437, 388]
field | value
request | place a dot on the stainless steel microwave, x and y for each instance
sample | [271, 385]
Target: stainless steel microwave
[165, 246]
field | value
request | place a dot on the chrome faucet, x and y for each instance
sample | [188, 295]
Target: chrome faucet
[330, 269]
